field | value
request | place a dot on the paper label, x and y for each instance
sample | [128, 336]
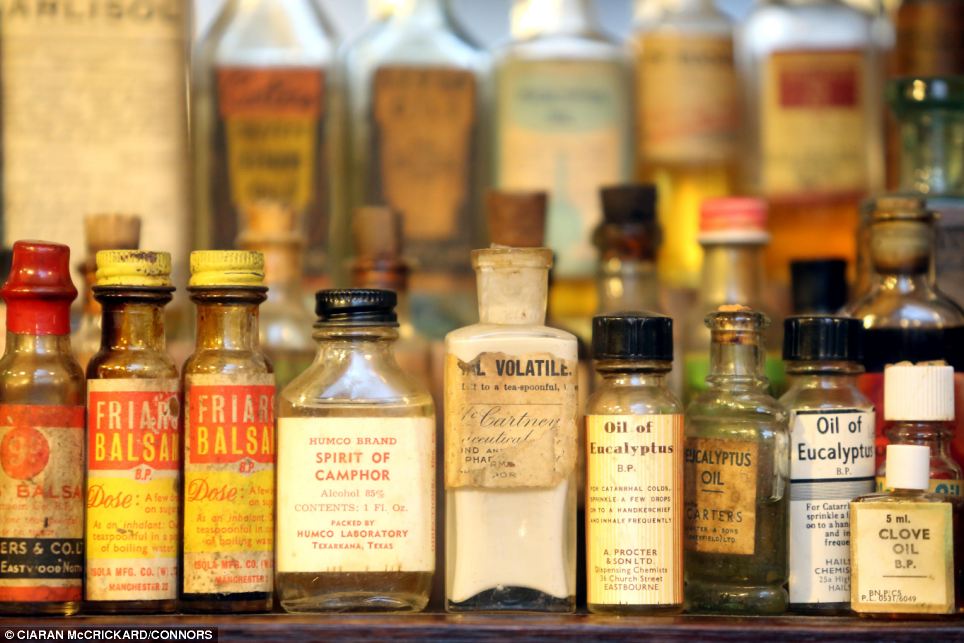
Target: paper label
[944, 487]
[831, 463]
[510, 421]
[41, 503]
[565, 127]
[424, 120]
[902, 558]
[356, 494]
[812, 129]
[634, 509]
[688, 100]
[133, 482]
[721, 495]
[229, 484]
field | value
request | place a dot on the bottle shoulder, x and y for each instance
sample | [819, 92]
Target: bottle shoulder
[130, 364]
[44, 378]
[627, 400]
[414, 46]
[716, 405]
[231, 363]
[891, 309]
[830, 397]
[516, 336]
[780, 26]
[563, 49]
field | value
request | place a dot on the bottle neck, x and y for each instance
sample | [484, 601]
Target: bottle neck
[536, 18]
[133, 320]
[902, 256]
[282, 267]
[823, 374]
[630, 373]
[37, 344]
[732, 274]
[936, 435]
[37, 317]
[737, 357]
[227, 319]
[338, 344]
[425, 13]
[932, 156]
[513, 296]
[626, 284]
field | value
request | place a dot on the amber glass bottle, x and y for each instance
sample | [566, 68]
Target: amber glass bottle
[134, 438]
[229, 391]
[42, 437]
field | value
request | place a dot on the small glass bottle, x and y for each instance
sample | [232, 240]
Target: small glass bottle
[831, 456]
[229, 404]
[919, 409]
[134, 437]
[818, 286]
[511, 445]
[905, 543]
[356, 468]
[42, 437]
[634, 479]
[736, 474]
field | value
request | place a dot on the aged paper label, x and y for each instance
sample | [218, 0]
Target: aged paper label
[229, 483]
[133, 484]
[510, 421]
[356, 494]
[634, 509]
[41, 502]
[902, 557]
[721, 495]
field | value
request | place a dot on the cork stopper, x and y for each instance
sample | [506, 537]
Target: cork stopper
[517, 219]
[377, 233]
[137, 268]
[227, 268]
[110, 231]
[269, 221]
[890, 207]
[513, 284]
[736, 324]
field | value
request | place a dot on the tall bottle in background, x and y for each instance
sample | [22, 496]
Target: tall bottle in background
[94, 120]
[818, 286]
[416, 96]
[813, 136]
[263, 120]
[929, 39]
[563, 123]
[688, 119]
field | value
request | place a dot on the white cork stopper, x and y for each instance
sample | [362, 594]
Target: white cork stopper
[908, 466]
[921, 393]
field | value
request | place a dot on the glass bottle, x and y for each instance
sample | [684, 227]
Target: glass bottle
[905, 316]
[831, 456]
[905, 543]
[564, 124]
[134, 437]
[229, 454]
[818, 286]
[511, 443]
[285, 321]
[42, 438]
[6, 256]
[417, 97]
[736, 469]
[919, 409]
[634, 443]
[929, 39]
[687, 107]
[733, 233]
[813, 136]
[264, 120]
[357, 430]
[102, 232]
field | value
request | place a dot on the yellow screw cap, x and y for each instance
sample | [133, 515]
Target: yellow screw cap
[133, 268]
[226, 268]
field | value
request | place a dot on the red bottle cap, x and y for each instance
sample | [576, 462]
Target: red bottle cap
[39, 290]
[734, 219]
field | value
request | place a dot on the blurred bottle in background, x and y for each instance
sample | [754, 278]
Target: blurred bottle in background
[929, 38]
[818, 286]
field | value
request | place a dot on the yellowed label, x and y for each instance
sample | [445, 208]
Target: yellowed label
[902, 557]
[229, 483]
[812, 123]
[721, 490]
[356, 494]
[688, 102]
[510, 421]
[634, 509]
[133, 481]
[950, 488]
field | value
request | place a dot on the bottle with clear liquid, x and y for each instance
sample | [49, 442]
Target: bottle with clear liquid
[688, 120]
[511, 445]
[736, 477]
[813, 136]
[564, 125]
[264, 115]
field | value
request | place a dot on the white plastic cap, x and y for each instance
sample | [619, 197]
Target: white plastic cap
[922, 393]
[908, 466]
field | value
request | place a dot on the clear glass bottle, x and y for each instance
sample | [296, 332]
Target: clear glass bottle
[358, 432]
[511, 443]
[417, 96]
[688, 121]
[831, 456]
[919, 409]
[818, 286]
[134, 437]
[264, 114]
[42, 405]
[813, 123]
[229, 442]
[905, 543]
[736, 477]
[733, 233]
[634, 444]
[564, 124]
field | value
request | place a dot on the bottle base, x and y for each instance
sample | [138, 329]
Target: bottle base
[513, 599]
[722, 598]
[245, 603]
[821, 609]
[130, 607]
[302, 592]
[36, 608]
[635, 610]
[355, 602]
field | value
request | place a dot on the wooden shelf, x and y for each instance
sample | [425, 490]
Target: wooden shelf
[580, 627]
